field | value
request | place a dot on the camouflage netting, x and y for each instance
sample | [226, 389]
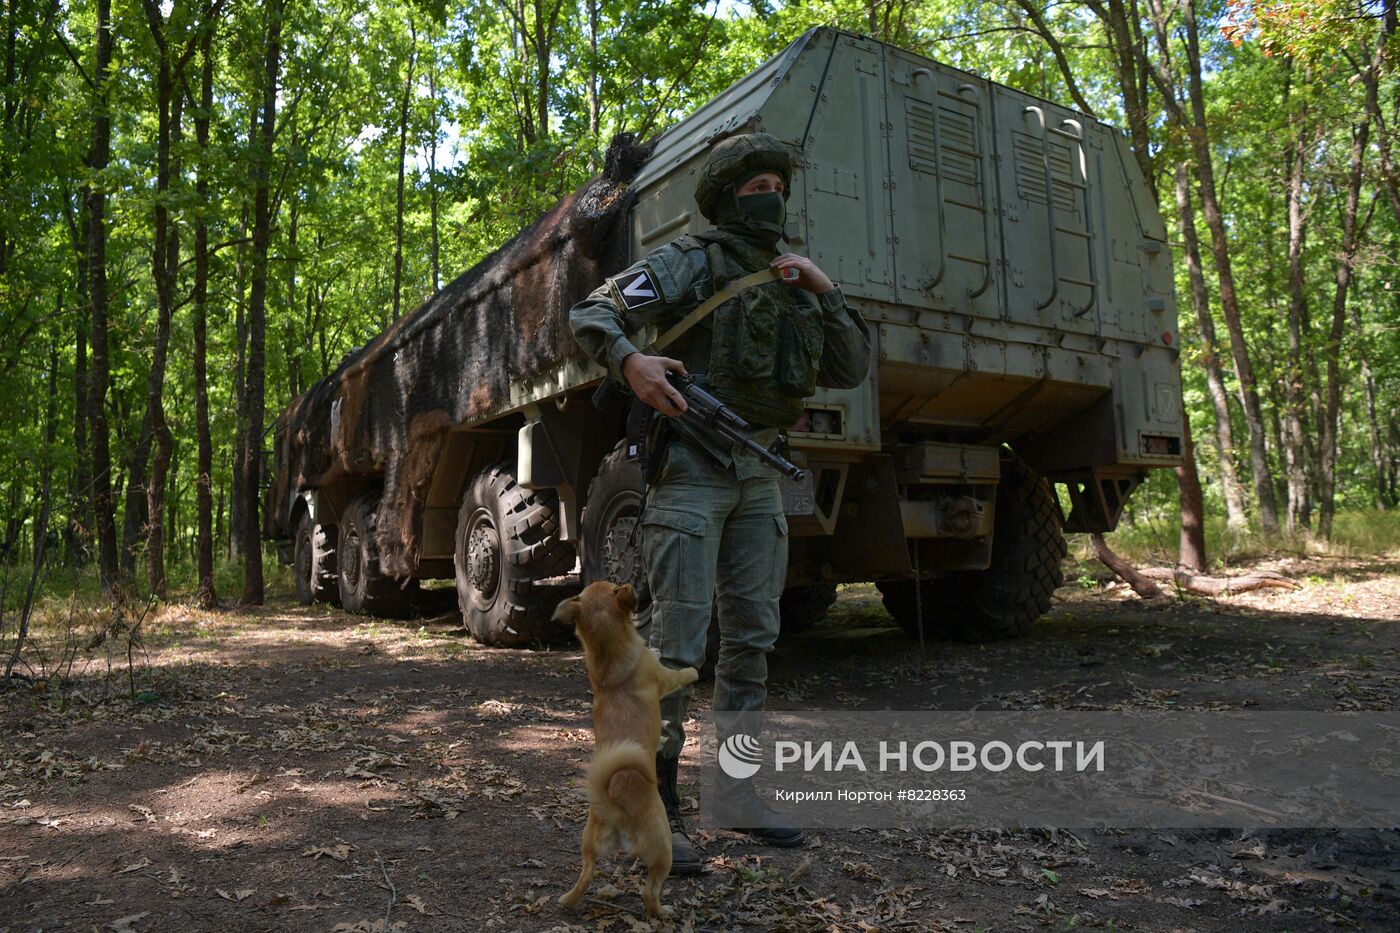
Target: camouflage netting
[453, 359]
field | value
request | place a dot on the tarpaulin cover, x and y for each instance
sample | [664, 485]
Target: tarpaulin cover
[388, 406]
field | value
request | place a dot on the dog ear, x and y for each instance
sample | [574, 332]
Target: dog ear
[626, 597]
[566, 612]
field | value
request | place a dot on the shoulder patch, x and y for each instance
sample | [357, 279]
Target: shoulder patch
[636, 288]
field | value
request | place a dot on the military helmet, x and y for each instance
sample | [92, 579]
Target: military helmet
[735, 157]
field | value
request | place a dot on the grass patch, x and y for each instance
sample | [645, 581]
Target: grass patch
[1154, 538]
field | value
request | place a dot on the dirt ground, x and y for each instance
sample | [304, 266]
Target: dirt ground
[299, 769]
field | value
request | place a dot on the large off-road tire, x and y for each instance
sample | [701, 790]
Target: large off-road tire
[507, 539]
[313, 562]
[802, 607]
[610, 549]
[611, 540]
[1007, 598]
[363, 586]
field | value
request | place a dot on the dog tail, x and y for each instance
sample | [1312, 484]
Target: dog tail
[620, 770]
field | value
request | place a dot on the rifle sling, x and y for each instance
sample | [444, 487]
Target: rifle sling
[760, 277]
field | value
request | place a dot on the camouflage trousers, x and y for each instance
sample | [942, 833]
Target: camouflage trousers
[714, 537]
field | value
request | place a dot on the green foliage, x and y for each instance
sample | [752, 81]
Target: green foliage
[510, 106]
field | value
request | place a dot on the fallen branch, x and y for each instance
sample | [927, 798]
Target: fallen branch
[1221, 586]
[1143, 586]
[1142, 581]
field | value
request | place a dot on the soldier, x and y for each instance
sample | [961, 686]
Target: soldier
[713, 529]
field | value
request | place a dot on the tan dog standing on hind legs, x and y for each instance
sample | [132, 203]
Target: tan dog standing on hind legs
[624, 809]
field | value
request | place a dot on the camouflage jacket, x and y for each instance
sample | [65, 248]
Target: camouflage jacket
[672, 280]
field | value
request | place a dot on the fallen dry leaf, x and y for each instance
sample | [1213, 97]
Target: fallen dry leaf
[339, 852]
[136, 866]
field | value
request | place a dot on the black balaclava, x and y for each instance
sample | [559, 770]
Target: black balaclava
[756, 219]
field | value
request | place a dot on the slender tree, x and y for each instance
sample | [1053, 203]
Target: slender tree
[1192, 119]
[405, 101]
[1210, 348]
[95, 211]
[1353, 224]
[257, 305]
[204, 547]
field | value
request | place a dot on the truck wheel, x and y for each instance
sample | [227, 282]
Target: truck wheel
[1007, 598]
[802, 607]
[313, 563]
[507, 538]
[612, 552]
[363, 587]
[612, 543]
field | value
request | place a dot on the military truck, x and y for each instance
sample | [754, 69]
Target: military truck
[1013, 269]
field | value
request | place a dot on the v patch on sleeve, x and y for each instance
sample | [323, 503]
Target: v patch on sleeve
[636, 288]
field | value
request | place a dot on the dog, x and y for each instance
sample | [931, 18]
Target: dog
[624, 808]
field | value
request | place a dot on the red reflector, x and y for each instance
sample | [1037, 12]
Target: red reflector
[1167, 337]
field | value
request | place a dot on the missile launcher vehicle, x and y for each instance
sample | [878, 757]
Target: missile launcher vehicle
[1014, 271]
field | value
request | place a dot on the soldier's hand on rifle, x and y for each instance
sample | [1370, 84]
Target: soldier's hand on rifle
[801, 272]
[647, 377]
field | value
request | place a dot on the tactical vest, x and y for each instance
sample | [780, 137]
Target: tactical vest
[764, 345]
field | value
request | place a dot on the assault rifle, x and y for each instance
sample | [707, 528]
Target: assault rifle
[714, 414]
[703, 408]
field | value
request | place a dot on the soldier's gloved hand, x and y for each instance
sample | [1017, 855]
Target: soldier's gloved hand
[807, 275]
[647, 377]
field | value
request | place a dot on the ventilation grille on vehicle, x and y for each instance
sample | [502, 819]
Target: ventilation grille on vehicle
[1030, 171]
[961, 160]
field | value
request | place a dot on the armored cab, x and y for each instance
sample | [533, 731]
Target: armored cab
[1013, 269]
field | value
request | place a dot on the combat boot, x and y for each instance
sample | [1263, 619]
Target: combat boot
[738, 807]
[685, 857]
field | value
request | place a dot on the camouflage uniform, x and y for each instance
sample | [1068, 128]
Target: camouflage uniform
[713, 529]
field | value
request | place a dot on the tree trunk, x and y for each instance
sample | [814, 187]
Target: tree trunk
[95, 208]
[165, 263]
[403, 158]
[79, 525]
[432, 172]
[41, 526]
[1196, 129]
[257, 302]
[1192, 550]
[594, 109]
[1368, 380]
[1392, 460]
[1215, 376]
[240, 381]
[1294, 438]
[1351, 226]
[1371, 79]
[207, 598]
[1229, 301]
[544, 42]
[289, 335]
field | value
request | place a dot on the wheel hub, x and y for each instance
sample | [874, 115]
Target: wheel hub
[350, 559]
[621, 562]
[303, 557]
[484, 558]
